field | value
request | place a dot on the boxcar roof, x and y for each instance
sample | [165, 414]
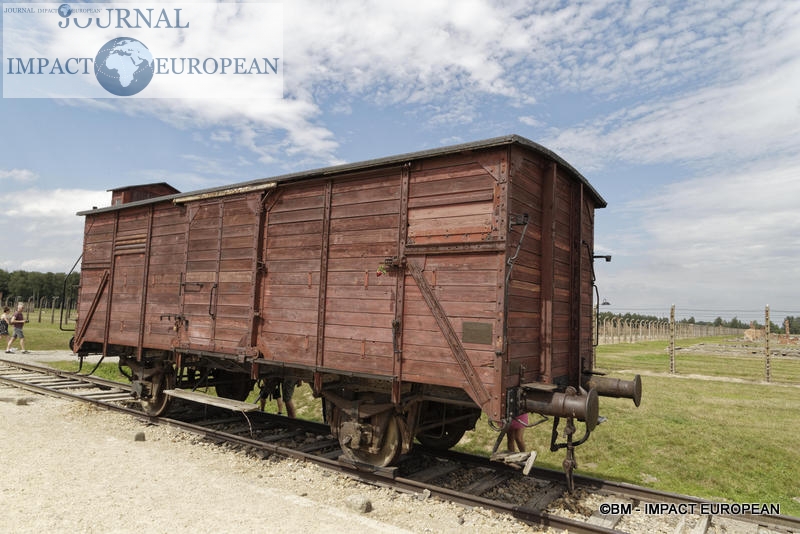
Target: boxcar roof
[150, 184]
[368, 164]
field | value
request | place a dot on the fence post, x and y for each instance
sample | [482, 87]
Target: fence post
[672, 340]
[767, 370]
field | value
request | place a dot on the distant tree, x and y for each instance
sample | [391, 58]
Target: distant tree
[736, 323]
[35, 285]
[794, 324]
[72, 283]
[4, 282]
[18, 285]
[629, 317]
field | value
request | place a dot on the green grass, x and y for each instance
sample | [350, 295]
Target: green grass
[708, 438]
[692, 357]
[719, 440]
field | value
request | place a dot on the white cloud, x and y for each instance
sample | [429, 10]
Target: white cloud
[221, 136]
[756, 117]
[446, 62]
[736, 70]
[724, 240]
[18, 175]
[530, 121]
[45, 232]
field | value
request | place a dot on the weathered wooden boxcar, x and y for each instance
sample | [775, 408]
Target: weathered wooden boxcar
[412, 292]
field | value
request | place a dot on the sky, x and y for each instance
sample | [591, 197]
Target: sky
[684, 116]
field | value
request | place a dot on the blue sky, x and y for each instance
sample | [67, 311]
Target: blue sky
[685, 116]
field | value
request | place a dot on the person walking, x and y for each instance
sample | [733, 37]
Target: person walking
[18, 321]
[5, 320]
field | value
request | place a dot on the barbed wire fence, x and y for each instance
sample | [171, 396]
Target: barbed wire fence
[618, 330]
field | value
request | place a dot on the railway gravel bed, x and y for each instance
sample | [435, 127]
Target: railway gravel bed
[80, 468]
[70, 467]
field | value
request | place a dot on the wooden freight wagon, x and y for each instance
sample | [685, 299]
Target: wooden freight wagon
[413, 292]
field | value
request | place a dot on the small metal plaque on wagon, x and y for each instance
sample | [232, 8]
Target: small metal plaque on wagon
[477, 333]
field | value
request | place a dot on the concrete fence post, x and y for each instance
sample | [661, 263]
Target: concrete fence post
[767, 369]
[672, 340]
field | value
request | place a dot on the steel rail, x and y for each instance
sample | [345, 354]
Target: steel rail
[65, 374]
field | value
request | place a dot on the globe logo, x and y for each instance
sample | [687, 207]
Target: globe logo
[123, 66]
[64, 10]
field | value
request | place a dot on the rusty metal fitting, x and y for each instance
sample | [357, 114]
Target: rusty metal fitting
[584, 407]
[615, 387]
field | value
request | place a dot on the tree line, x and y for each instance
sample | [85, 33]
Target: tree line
[794, 322]
[27, 285]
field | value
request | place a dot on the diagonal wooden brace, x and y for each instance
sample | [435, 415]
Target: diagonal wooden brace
[476, 388]
[88, 318]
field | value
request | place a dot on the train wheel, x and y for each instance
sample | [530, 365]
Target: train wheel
[158, 402]
[236, 386]
[442, 438]
[454, 424]
[386, 454]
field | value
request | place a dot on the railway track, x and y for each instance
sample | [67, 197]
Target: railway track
[540, 499]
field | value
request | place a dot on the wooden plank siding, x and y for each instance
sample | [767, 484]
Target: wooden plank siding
[291, 286]
[217, 300]
[587, 329]
[524, 316]
[552, 267]
[165, 274]
[233, 303]
[450, 201]
[131, 236]
[453, 203]
[290, 273]
[360, 305]
[562, 282]
[465, 286]
[95, 268]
